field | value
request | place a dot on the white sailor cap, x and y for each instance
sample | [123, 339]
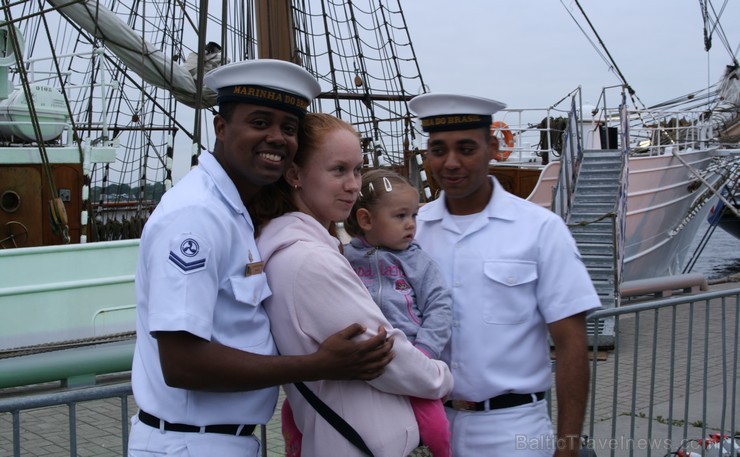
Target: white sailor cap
[268, 82]
[445, 112]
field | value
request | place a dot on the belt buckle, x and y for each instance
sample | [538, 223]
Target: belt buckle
[464, 405]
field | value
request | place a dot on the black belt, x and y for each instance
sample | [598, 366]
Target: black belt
[226, 429]
[500, 402]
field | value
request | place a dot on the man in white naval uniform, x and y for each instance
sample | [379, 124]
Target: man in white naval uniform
[515, 275]
[205, 367]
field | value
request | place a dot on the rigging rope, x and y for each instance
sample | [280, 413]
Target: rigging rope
[633, 96]
[611, 59]
[85, 204]
[588, 38]
[705, 18]
[722, 34]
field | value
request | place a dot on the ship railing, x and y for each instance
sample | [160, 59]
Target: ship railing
[528, 126]
[673, 132]
[652, 132]
[669, 381]
[537, 134]
[664, 132]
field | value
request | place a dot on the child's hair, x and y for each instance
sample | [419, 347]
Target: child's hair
[375, 184]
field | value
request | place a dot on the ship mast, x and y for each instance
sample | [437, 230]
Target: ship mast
[275, 31]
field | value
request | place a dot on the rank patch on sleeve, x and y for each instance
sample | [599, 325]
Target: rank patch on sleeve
[188, 254]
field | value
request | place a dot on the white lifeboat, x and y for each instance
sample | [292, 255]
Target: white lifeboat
[51, 111]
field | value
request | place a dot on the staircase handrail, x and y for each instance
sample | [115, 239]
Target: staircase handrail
[620, 209]
[570, 161]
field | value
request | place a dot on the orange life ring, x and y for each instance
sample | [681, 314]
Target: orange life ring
[503, 153]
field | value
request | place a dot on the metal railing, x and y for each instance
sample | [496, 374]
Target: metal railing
[671, 380]
[100, 429]
[104, 437]
[570, 163]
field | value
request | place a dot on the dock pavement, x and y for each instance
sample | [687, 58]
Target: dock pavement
[45, 431]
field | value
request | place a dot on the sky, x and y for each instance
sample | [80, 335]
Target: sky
[530, 53]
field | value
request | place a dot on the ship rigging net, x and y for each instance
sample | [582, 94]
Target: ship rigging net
[124, 68]
[362, 52]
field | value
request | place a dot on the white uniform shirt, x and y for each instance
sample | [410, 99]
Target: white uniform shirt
[513, 270]
[191, 277]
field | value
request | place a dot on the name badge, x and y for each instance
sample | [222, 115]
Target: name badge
[254, 268]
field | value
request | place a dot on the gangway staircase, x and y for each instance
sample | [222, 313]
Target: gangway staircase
[595, 220]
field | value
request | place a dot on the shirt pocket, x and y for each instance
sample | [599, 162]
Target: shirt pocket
[510, 297]
[250, 290]
[244, 323]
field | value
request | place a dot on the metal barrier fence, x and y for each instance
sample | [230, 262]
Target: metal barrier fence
[670, 380]
[51, 441]
[87, 421]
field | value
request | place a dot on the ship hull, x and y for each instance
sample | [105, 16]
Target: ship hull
[665, 206]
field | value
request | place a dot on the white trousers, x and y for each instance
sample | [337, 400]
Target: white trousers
[522, 431]
[146, 441]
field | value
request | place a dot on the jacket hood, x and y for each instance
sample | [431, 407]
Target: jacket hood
[291, 228]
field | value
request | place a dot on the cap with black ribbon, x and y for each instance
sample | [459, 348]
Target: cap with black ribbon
[267, 82]
[446, 112]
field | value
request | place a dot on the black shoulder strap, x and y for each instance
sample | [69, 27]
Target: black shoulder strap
[333, 418]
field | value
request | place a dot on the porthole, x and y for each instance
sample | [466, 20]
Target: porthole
[10, 201]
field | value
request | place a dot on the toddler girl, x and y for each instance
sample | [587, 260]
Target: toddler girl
[403, 280]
